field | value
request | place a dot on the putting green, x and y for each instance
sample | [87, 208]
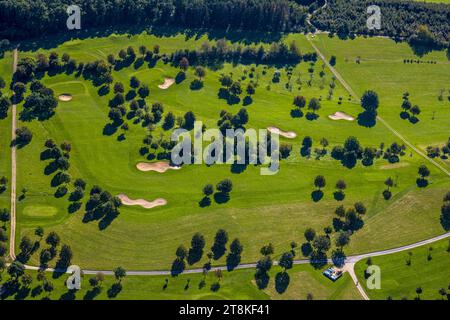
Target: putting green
[40, 211]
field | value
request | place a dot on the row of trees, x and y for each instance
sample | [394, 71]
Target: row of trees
[3, 184]
[300, 102]
[436, 151]
[222, 51]
[40, 104]
[218, 249]
[352, 151]
[5, 216]
[229, 121]
[5, 102]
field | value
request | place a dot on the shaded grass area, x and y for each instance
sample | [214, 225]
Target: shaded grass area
[428, 270]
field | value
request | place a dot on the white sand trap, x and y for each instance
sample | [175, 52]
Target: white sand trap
[141, 202]
[288, 134]
[160, 167]
[168, 82]
[341, 116]
[65, 97]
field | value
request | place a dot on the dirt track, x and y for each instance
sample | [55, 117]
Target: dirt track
[12, 238]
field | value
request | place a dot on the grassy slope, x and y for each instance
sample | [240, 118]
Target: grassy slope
[257, 213]
[382, 69]
[399, 280]
[236, 286]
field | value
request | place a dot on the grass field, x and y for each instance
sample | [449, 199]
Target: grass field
[262, 209]
[399, 280]
[238, 285]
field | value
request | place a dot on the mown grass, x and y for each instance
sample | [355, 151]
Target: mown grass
[237, 285]
[262, 209]
[428, 270]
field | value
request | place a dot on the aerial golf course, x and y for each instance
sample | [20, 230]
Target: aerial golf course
[260, 209]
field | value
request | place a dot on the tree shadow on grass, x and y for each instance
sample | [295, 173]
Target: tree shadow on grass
[296, 113]
[339, 195]
[367, 119]
[115, 289]
[69, 295]
[312, 116]
[205, 202]
[106, 221]
[221, 197]
[247, 101]
[282, 280]
[317, 195]
[318, 260]
[103, 91]
[233, 261]
[218, 251]
[178, 266]
[50, 168]
[109, 129]
[91, 294]
[22, 293]
[306, 249]
[194, 256]
[238, 168]
[338, 257]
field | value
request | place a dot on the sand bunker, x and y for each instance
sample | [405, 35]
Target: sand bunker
[65, 97]
[160, 167]
[341, 116]
[141, 202]
[288, 134]
[167, 83]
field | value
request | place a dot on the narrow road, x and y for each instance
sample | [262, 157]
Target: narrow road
[350, 259]
[12, 237]
[384, 122]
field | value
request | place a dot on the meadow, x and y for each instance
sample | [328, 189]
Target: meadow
[239, 285]
[262, 209]
[402, 273]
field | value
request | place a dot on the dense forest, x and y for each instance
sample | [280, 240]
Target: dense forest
[22, 19]
[399, 18]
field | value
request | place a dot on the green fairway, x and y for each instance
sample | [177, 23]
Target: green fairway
[428, 270]
[237, 285]
[261, 209]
